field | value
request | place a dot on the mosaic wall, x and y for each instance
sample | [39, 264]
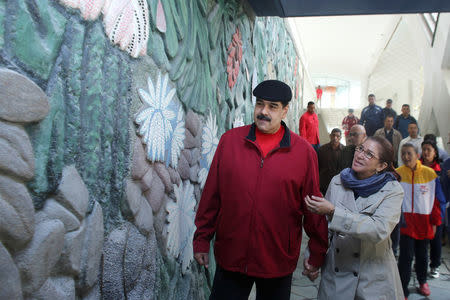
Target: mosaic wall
[110, 114]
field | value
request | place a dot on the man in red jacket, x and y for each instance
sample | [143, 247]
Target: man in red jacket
[253, 203]
[309, 126]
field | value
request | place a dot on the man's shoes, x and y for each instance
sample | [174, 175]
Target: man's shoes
[434, 272]
[424, 289]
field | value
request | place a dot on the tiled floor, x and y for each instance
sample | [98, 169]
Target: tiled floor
[303, 288]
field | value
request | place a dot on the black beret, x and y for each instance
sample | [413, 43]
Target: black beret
[273, 90]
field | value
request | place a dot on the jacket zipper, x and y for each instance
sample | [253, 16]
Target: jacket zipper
[253, 203]
[271, 151]
[252, 211]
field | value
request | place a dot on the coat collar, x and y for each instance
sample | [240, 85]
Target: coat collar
[349, 201]
[285, 141]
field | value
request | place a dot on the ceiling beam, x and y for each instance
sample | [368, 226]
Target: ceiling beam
[302, 8]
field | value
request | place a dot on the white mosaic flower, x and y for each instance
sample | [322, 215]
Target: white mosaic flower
[238, 121]
[202, 175]
[210, 140]
[126, 23]
[254, 84]
[155, 119]
[177, 139]
[181, 227]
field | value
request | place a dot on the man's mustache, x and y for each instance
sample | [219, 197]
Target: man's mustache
[263, 117]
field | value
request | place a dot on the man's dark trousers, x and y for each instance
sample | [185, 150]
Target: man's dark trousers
[237, 286]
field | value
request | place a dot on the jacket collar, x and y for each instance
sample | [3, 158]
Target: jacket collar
[285, 141]
[348, 200]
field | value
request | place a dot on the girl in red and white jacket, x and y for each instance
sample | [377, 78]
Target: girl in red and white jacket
[420, 216]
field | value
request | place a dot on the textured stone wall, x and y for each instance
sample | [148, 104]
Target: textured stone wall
[110, 114]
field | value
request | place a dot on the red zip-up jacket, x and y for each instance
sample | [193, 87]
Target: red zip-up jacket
[420, 206]
[255, 205]
[309, 128]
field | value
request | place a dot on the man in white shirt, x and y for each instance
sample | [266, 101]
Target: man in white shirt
[413, 138]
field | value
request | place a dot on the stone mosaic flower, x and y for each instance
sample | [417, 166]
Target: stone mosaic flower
[210, 139]
[126, 22]
[157, 121]
[209, 146]
[202, 176]
[177, 139]
[238, 121]
[181, 227]
[89, 9]
[234, 58]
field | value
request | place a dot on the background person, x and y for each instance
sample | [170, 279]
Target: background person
[445, 181]
[402, 121]
[443, 155]
[392, 135]
[371, 116]
[348, 122]
[413, 138]
[363, 205]
[328, 156]
[356, 137]
[421, 215]
[388, 110]
[309, 126]
[430, 158]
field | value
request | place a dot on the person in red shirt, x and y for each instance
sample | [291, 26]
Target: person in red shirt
[319, 92]
[348, 123]
[253, 202]
[309, 126]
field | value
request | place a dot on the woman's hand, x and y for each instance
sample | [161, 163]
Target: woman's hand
[309, 270]
[319, 205]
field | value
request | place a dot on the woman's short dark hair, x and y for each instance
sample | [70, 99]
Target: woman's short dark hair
[386, 154]
[434, 145]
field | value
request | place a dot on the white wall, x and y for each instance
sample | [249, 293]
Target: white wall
[436, 64]
[411, 71]
[398, 73]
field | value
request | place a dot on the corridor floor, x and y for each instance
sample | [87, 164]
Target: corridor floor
[303, 288]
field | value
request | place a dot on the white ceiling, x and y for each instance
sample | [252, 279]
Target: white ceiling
[343, 47]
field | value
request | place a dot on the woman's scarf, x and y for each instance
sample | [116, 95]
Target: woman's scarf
[368, 186]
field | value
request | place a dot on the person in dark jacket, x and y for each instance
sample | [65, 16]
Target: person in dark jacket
[371, 116]
[329, 155]
[388, 110]
[356, 137]
[402, 121]
[430, 158]
[253, 202]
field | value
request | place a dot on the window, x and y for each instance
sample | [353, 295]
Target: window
[430, 21]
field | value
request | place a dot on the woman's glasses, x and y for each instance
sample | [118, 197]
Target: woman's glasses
[367, 154]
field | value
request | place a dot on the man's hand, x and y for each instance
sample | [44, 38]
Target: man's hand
[202, 259]
[434, 229]
[448, 173]
[309, 270]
